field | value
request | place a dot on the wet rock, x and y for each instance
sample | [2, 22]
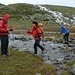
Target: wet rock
[23, 39]
[59, 40]
[71, 45]
[64, 61]
[65, 45]
[48, 62]
[20, 37]
[71, 39]
[72, 69]
[67, 55]
[49, 38]
[59, 67]
[38, 74]
[58, 61]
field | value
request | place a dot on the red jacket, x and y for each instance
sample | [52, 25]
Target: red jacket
[36, 32]
[4, 29]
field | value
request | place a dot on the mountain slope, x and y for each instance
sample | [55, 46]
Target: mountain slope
[46, 13]
[1, 5]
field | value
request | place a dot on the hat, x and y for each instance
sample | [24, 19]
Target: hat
[40, 24]
[35, 23]
[61, 27]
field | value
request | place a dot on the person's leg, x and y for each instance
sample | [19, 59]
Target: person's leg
[7, 42]
[67, 37]
[4, 45]
[64, 38]
[38, 44]
[35, 47]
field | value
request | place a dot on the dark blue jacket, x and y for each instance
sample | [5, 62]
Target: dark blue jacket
[64, 30]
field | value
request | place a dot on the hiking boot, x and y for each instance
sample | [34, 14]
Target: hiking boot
[8, 54]
[43, 51]
[35, 53]
[4, 55]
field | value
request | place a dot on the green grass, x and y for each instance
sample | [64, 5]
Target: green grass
[62, 9]
[70, 63]
[66, 73]
[24, 63]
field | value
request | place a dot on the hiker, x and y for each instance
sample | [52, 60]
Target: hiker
[66, 34]
[37, 34]
[4, 30]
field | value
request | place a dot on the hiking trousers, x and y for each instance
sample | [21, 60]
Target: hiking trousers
[4, 45]
[66, 37]
[37, 44]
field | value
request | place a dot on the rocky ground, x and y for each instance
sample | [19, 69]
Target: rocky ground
[55, 53]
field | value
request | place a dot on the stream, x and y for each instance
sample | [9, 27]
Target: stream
[55, 53]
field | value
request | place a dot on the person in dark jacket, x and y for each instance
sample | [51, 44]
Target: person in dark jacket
[37, 34]
[66, 34]
[4, 30]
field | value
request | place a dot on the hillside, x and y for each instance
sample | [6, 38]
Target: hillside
[23, 13]
[1, 5]
[62, 9]
[20, 10]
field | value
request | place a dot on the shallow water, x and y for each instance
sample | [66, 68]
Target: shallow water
[54, 54]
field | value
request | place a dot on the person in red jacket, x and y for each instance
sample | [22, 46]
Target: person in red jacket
[4, 30]
[37, 34]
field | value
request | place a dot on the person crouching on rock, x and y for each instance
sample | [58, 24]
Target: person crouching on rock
[37, 34]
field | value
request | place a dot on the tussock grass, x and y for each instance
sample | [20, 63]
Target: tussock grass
[24, 63]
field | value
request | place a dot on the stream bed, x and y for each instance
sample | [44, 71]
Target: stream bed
[55, 53]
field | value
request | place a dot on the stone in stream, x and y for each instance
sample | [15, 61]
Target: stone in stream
[71, 45]
[38, 74]
[72, 69]
[59, 67]
[58, 61]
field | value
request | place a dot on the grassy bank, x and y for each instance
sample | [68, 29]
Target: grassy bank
[24, 63]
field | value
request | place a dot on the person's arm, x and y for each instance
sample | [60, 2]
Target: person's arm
[61, 32]
[9, 29]
[3, 30]
[30, 32]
